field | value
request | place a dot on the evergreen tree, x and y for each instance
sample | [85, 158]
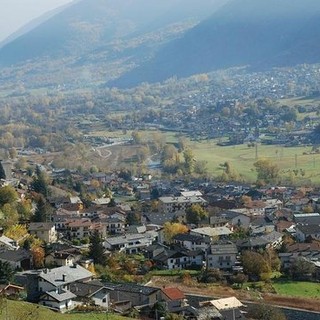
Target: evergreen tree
[96, 250]
[42, 211]
[40, 184]
[6, 272]
[2, 173]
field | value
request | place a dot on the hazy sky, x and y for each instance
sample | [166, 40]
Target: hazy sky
[15, 13]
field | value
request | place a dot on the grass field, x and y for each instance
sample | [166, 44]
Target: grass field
[242, 159]
[298, 289]
[18, 310]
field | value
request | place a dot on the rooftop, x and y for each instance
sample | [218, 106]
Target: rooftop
[65, 274]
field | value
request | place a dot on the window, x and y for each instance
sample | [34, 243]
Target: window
[104, 300]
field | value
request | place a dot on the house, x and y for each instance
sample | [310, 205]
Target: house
[73, 203]
[307, 218]
[212, 233]
[130, 243]
[60, 300]
[161, 218]
[252, 243]
[67, 203]
[229, 308]
[191, 193]
[273, 205]
[175, 300]
[18, 259]
[101, 202]
[274, 239]
[136, 294]
[51, 287]
[231, 219]
[287, 258]
[93, 291]
[7, 243]
[307, 231]
[60, 259]
[173, 204]
[83, 227]
[7, 166]
[208, 312]
[10, 289]
[114, 225]
[178, 258]
[222, 256]
[45, 231]
[297, 204]
[191, 242]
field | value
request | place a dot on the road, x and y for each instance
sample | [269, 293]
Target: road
[291, 313]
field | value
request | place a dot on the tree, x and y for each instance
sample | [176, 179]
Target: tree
[200, 167]
[188, 160]
[210, 276]
[159, 310]
[7, 195]
[254, 264]
[6, 272]
[267, 171]
[133, 218]
[16, 232]
[301, 268]
[182, 144]
[96, 250]
[271, 256]
[229, 174]
[24, 208]
[9, 214]
[42, 211]
[172, 229]
[195, 213]
[2, 172]
[239, 279]
[265, 312]
[40, 183]
[38, 256]
[137, 137]
[12, 153]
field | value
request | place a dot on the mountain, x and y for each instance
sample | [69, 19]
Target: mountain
[88, 25]
[257, 33]
[33, 24]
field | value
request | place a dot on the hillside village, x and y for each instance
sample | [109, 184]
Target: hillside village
[227, 232]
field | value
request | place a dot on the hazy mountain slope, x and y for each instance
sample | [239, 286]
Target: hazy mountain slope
[89, 24]
[33, 24]
[260, 33]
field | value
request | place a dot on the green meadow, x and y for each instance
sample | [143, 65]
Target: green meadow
[242, 158]
[297, 289]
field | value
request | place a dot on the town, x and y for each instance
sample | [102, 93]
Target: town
[66, 252]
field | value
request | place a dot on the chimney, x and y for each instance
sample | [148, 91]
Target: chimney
[64, 277]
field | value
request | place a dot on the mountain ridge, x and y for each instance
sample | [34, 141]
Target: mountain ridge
[257, 33]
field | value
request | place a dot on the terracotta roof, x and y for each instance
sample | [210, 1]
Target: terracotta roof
[173, 293]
